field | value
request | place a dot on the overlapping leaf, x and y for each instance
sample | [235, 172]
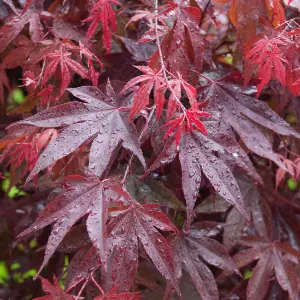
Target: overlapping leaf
[269, 60]
[55, 291]
[246, 115]
[133, 224]
[150, 79]
[197, 156]
[99, 117]
[183, 45]
[187, 249]
[130, 224]
[14, 26]
[84, 196]
[61, 58]
[273, 257]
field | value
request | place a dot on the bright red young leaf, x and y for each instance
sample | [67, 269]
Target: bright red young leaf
[187, 247]
[151, 79]
[99, 117]
[55, 292]
[269, 60]
[103, 13]
[187, 122]
[25, 152]
[62, 58]
[14, 26]
[280, 174]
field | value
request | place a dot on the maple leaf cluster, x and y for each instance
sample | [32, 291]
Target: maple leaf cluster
[149, 156]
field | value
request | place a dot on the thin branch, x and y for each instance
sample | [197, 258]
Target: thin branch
[140, 137]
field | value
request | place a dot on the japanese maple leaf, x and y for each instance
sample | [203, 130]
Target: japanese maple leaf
[256, 207]
[150, 80]
[269, 60]
[14, 25]
[246, 115]
[55, 292]
[62, 57]
[186, 122]
[188, 246]
[276, 257]
[99, 117]
[130, 225]
[82, 196]
[176, 87]
[103, 13]
[183, 45]
[112, 294]
[4, 82]
[135, 223]
[197, 156]
[25, 152]
[246, 24]
[273, 256]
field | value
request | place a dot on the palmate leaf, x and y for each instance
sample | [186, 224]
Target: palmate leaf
[14, 26]
[246, 115]
[268, 59]
[100, 117]
[133, 224]
[197, 156]
[83, 196]
[130, 225]
[187, 247]
[104, 14]
[55, 291]
[259, 211]
[62, 58]
[273, 257]
[150, 79]
[183, 46]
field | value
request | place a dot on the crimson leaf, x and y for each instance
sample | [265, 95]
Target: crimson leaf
[196, 155]
[277, 257]
[245, 115]
[100, 117]
[14, 26]
[84, 196]
[135, 223]
[188, 247]
[55, 292]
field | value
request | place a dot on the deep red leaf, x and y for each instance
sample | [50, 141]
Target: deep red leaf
[99, 117]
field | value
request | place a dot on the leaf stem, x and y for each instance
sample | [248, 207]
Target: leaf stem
[163, 67]
[140, 137]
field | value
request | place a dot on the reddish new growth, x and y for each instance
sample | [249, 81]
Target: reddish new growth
[162, 139]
